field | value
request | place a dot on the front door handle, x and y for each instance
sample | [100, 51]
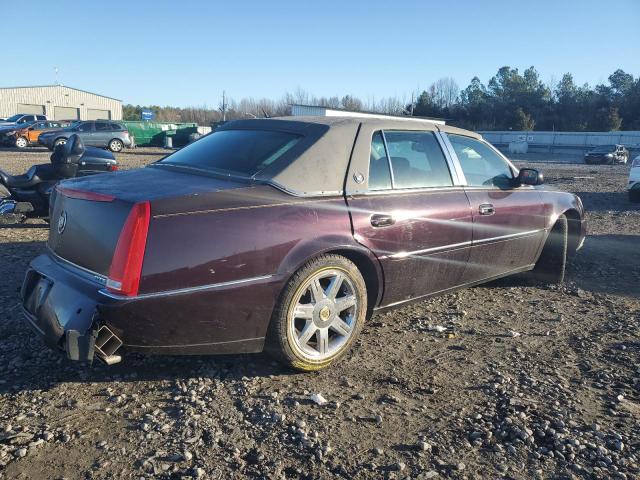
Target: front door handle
[486, 209]
[382, 220]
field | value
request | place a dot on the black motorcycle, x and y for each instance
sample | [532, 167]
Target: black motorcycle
[27, 196]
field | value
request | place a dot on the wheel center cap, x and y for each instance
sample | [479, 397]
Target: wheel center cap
[325, 313]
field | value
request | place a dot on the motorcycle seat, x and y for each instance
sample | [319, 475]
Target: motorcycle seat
[26, 180]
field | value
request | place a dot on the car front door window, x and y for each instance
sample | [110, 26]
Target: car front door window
[481, 165]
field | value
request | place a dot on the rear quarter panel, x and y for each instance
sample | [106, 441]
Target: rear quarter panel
[269, 234]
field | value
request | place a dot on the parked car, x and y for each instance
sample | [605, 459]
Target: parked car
[286, 235]
[634, 180]
[21, 118]
[28, 134]
[607, 154]
[99, 133]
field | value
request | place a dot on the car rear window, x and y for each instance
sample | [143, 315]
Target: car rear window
[237, 152]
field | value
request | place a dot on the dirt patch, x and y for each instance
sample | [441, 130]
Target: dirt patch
[537, 382]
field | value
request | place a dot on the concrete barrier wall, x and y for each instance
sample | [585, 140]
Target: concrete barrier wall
[564, 142]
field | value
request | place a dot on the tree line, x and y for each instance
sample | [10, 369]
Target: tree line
[509, 101]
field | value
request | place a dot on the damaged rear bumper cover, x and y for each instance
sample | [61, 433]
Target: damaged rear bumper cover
[61, 304]
[69, 307]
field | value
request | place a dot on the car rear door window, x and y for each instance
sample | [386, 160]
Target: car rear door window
[481, 165]
[101, 127]
[379, 173]
[417, 161]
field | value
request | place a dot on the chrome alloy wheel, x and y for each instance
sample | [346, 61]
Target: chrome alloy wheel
[323, 313]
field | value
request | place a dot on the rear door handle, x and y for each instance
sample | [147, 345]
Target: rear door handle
[486, 209]
[382, 220]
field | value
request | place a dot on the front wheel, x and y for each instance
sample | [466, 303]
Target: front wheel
[551, 266]
[116, 145]
[22, 142]
[319, 314]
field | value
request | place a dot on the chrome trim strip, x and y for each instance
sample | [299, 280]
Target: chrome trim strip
[430, 250]
[453, 246]
[66, 264]
[408, 191]
[456, 172]
[195, 344]
[507, 237]
[181, 291]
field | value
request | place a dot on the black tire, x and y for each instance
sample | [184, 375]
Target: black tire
[281, 342]
[59, 141]
[634, 195]
[115, 145]
[550, 267]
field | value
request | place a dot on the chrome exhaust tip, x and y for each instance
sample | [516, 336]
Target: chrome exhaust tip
[106, 345]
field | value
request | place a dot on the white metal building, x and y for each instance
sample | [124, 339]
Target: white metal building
[319, 111]
[58, 102]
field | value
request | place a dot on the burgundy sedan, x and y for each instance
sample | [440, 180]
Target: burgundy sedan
[286, 235]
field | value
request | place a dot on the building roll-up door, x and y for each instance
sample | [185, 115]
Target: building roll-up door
[97, 114]
[32, 109]
[65, 113]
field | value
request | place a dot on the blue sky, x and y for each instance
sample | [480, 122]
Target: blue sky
[185, 53]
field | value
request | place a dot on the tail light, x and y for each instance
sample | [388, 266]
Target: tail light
[126, 266]
[112, 168]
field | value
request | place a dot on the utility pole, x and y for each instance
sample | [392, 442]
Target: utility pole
[224, 107]
[55, 70]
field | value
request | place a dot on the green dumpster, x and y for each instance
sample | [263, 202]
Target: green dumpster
[154, 133]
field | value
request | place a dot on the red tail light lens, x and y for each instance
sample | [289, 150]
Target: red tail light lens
[113, 168]
[126, 266]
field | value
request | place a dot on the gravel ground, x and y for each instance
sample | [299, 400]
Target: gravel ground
[537, 382]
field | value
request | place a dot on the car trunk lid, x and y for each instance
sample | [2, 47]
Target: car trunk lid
[88, 214]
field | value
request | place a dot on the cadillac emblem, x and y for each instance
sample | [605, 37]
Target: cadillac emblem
[62, 222]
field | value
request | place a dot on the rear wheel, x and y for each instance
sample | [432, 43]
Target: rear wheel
[319, 315]
[116, 145]
[22, 142]
[552, 263]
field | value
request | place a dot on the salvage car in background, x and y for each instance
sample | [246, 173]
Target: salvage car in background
[27, 135]
[607, 154]
[286, 235]
[21, 118]
[99, 133]
[634, 180]
[27, 195]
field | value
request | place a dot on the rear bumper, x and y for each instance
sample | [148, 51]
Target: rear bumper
[69, 308]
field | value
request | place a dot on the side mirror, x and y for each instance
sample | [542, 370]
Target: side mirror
[530, 176]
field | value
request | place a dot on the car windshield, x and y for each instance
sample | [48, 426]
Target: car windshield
[15, 118]
[604, 148]
[234, 152]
